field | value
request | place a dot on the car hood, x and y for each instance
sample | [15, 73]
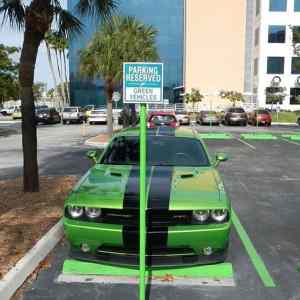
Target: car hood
[173, 188]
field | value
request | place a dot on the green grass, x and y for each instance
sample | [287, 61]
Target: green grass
[285, 117]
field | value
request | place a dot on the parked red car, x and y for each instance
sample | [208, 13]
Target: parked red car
[157, 119]
[260, 117]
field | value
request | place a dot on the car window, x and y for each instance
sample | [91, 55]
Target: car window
[70, 109]
[262, 112]
[161, 151]
[159, 119]
[236, 110]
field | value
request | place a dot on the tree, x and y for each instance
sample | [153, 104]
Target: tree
[120, 40]
[232, 96]
[36, 18]
[193, 98]
[59, 44]
[9, 87]
[39, 88]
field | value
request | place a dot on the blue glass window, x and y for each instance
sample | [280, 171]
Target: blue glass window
[278, 5]
[295, 65]
[275, 65]
[297, 5]
[276, 34]
[167, 18]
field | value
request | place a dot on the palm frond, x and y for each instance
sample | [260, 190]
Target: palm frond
[13, 12]
[102, 8]
[67, 24]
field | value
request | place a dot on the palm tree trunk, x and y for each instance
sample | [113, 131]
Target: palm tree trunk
[51, 65]
[60, 88]
[66, 78]
[109, 93]
[31, 43]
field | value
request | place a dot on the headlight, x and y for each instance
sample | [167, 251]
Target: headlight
[219, 215]
[93, 213]
[75, 211]
[201, 215]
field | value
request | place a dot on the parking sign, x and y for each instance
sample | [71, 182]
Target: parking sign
[143, 83]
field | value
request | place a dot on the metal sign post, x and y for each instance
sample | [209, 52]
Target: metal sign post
[143, 84]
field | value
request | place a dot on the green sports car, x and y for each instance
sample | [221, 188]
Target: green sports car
[188, 212]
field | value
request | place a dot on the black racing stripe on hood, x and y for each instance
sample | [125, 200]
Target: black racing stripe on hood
[132, 194]
[160, 188]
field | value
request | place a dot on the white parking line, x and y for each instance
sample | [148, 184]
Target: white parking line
[291, 142]
[247, 144]
[177, 281]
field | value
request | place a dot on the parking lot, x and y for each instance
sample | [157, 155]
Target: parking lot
[263, 181]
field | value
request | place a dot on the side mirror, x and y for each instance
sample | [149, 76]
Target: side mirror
[92, 155]
[220, 157]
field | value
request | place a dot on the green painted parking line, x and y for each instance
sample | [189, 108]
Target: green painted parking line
[220, 271]
[254, 256]
[216, 136]
[292, 137]
[258, 136]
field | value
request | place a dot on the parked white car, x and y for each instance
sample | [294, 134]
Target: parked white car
[10, 110]
[183, 117]
[98, 116]
[73, 114]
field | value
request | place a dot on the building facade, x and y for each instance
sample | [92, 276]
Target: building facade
[167, 17]
[246, 46]
[276, 67]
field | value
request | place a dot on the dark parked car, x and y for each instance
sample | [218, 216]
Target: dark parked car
[298, 121]
[47, 116]
[235, 116]
[208, 117]
[260, 117]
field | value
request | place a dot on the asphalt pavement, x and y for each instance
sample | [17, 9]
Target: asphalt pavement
[262, 179]
[61, 149]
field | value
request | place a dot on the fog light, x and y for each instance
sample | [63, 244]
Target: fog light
[207, 251]
[85, 248]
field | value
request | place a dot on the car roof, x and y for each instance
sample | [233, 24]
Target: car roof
[166, 131]
[161, 113]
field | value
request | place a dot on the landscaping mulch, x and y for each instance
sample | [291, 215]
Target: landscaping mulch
[26, 217]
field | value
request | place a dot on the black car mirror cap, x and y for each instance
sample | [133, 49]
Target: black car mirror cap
[92, 155]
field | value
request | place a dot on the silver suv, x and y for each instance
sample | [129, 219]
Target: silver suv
[72, 114]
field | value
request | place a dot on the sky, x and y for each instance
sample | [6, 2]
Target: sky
[11, 37]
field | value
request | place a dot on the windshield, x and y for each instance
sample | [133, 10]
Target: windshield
[237, 110]
[42, 111]
[262, 112]
[161, 151]
[70, 109]
[162, 119]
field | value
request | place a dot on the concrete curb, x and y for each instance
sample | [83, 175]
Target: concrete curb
[26, 265]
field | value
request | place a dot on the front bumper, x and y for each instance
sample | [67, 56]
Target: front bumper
[184, 244]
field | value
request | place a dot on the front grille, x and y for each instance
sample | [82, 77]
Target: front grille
[153, 217]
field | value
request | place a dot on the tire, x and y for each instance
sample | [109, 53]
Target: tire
[91, 123]
[64, 122]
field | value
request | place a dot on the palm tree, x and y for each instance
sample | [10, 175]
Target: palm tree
[121, 40]
[36, 18]
[194, 97]
[232, 96]
[55, 41]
